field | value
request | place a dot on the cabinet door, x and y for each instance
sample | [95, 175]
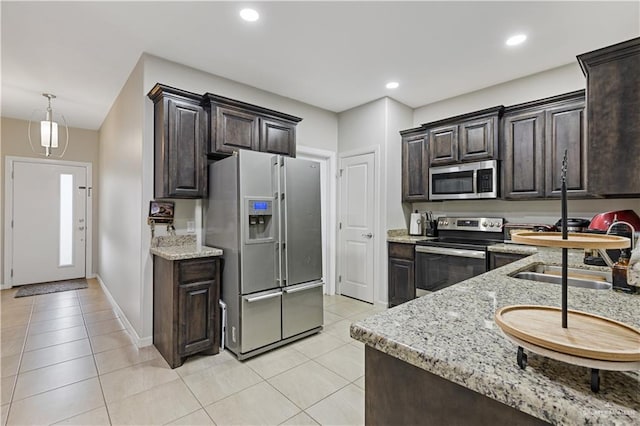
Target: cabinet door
[443, 145]
[277, 137]
[183, 174]
[523, 163]
[478, 139]
[401, 281]
[234, 130]
[415, 169]
[196, 306]
[565, 130]
[497, 259]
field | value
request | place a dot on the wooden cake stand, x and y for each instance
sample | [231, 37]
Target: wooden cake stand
[592, 341]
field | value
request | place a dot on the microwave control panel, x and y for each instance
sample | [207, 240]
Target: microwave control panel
[485, 180]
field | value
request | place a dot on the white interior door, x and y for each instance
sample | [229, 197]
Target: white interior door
[357, 202]
[49, 222]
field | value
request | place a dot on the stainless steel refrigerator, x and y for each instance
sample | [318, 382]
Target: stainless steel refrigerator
[264, 212]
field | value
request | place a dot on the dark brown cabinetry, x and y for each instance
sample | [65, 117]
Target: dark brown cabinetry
[237, 125]
[179, 143]
[415, 165]
[468, 137]
[402, 286]
[613, 108]
[186, 313]
[534, 137]
[497, 259]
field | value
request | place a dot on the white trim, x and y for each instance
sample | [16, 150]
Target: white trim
[8, 207]
[139, 341]
[330, 198]
[375, 150]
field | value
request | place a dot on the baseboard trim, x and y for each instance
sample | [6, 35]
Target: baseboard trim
[139, 341]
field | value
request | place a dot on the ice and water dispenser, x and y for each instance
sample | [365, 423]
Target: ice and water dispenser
[260, 220]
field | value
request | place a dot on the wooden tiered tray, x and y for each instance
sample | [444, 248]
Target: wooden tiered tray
[591, 340]
[573, 241]
[590, 336]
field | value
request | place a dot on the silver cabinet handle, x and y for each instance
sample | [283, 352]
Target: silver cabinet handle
[368, 235]
[262, 297]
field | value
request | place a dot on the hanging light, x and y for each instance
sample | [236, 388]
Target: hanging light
[49, 131]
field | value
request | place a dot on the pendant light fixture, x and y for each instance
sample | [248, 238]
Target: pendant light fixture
[50, 133]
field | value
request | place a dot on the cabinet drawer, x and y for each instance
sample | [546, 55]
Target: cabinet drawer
[196, 270]
[402, 251]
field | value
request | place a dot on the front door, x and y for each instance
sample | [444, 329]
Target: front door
[49, 222]
[356, 226]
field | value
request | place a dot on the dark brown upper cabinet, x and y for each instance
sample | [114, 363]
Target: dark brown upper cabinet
[565, 130]
[415, 165]
[464, 138]
[534, 137]
[613, 108]
[180, 132]
[237, 125]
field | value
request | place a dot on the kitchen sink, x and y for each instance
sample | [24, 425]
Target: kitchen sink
[582, 278]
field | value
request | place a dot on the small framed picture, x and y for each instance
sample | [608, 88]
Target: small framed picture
[161, 211]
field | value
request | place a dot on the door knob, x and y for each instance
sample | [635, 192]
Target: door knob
[368, 235]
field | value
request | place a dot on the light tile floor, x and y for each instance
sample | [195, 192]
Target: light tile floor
[67, 359]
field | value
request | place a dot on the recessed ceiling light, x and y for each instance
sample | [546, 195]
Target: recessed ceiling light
[516, 40]
[249, 15]
[393, 85]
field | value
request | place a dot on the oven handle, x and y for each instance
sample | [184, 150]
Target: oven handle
[476, 254]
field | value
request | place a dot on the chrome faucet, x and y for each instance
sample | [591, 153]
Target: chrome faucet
[603, 253]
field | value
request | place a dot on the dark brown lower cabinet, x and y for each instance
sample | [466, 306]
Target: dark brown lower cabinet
[399, 393]
[402, 286]
[186, 313]
[497, 259]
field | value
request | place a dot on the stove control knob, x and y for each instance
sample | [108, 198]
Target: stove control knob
[491, 224]
[484, 224]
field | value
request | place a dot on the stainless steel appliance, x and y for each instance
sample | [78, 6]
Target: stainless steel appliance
[458, 253]
[264, 212]
[465, 181]
[510, 228]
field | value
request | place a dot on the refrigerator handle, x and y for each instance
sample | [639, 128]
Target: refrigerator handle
[262, 297]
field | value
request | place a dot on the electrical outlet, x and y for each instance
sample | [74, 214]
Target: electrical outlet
[191, 226]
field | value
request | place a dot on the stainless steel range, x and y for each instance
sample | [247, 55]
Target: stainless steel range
[459, 252]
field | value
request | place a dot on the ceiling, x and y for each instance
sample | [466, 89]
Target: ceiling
[334, 55]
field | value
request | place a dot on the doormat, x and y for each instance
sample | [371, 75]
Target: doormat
[52, 287]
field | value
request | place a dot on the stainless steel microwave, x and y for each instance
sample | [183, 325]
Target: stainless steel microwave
[467, 181]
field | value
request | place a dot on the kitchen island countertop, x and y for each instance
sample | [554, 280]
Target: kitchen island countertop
[452, 333]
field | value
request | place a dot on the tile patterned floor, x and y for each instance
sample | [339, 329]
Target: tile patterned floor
[67, 359]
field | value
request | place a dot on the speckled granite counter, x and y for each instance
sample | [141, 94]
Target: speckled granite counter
[181, 247]
[452, 333]
[401, 236]
[512, 248]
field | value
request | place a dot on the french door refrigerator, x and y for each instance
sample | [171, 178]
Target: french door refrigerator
[264, 212]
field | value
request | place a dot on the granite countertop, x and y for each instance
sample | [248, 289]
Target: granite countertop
[513, 248]
[402, 236]
[181, 247]
[452, 333]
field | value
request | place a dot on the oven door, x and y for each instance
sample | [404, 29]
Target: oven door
[440, 267]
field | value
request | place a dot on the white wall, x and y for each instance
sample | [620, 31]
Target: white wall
[536, 86]
[126, 173]
[399, 117]
[376, 125]
[121, 158]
